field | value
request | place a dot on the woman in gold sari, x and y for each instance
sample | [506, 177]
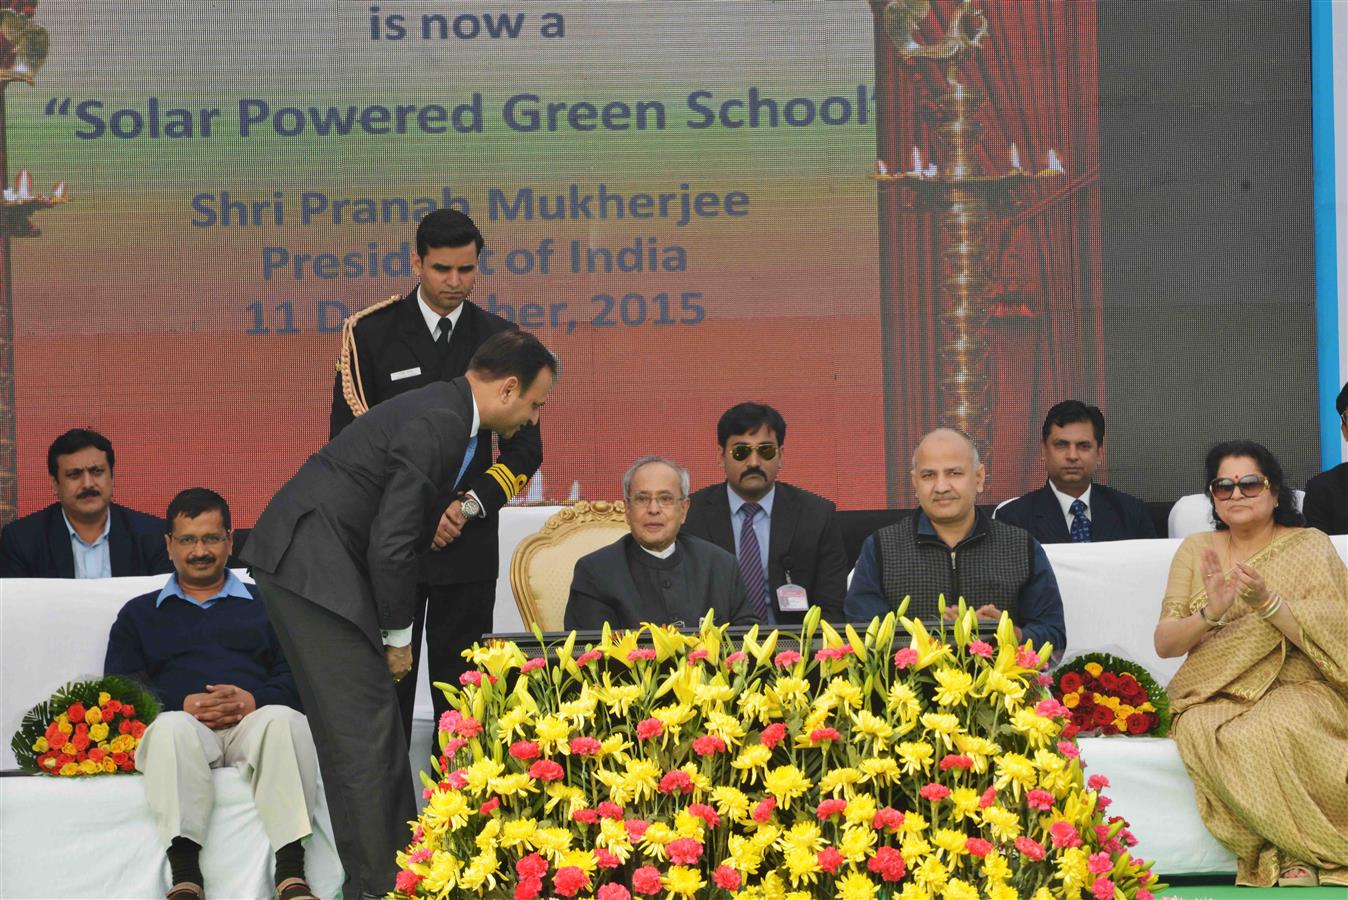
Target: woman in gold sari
[1261, 702]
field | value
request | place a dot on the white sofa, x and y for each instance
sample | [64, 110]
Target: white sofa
[53, 631]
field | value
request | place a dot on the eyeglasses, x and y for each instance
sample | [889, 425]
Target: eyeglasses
[1250, 486]
[664, 501]
[209, 540]
[740, 452]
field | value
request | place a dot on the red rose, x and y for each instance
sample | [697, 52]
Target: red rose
[113, 706]
[119, 759]
[81, 741]
[137, 729]
[57, 741]
[1111, 728]
[75, 712]
[1110, 682]
[97, 754]
[1137, 723]
[124, 727]
[128, 710]
[1071, 681]
[1102, 715]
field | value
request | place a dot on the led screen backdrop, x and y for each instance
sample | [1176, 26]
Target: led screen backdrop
[877, 217]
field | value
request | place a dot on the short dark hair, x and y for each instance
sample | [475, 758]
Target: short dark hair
[512, 352]
[1285, 513]
[447, 228]
[192, 503]
[743, 418]
[1341, 403]
[1071, 411]
[75, 440]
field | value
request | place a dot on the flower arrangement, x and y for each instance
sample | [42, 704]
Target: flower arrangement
[655, 763]
[1109, 695]
[86, 728]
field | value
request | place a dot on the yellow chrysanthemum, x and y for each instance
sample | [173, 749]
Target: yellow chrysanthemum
[1072, 870]
[786, 783]
[552, 842]
[745, 855]
[860, 809]
[874, 728]
[915, 756]
[914, 891]
[451, 807]
[931, 872]
[881, 770]
[1038, 730]
[964, 803]
[953, 686]
[750, 760]
[480, 873]
[914, 849]
[619, 698]
[507, 786]
[518, 833]
[443, 872]
[855, 886]
[614, 837]
[1000, 892]
[725, 726]
[844, 691]
[943, 725]
[1016, 770]
[951, 841]
[856, 842]
[914, 823]
[512, 722]
[1005, 824]
[551, 733]
[730, 802]
[842, 781]
[802, 866]
[996, 868]
[957, 889]
[683, 881]
[804, 835]
[790, 691]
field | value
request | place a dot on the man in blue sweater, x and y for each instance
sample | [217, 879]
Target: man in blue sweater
[204, 645]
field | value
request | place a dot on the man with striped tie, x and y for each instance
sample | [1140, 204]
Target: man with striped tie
[655, 574]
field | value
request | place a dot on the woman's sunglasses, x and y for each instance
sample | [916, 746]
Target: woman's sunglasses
[1250, 486]
[740, 452]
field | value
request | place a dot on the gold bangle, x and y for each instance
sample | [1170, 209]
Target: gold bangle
[1212, 623]
[1274, 604]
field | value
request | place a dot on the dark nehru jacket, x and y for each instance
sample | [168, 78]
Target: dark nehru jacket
[38, 545]
[396, 354]
[623, 585]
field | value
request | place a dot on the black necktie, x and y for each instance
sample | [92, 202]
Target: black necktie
[442, 341]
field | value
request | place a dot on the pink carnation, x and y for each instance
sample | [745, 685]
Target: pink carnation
[546, 770]
[453, 746]
[905, 657]
[588, 657]
[1052, 709]
[935, 792]
[609, 810]
[726, 878]
[887, 863]
[570, 881]
[646, 653]
[531, 866]
[489, 807]
[763, 811]
[976, 846]
[1029, 848]
[636, 828]
[819, 735]
[773, 735]
[528, 888]
[457, 779]
[708, 745]
[887, 817]
[833, 652]
[468, 727]
[698, 655]
[1069, 749]
[585, 816]
[420, 856]
[649, 728]
[537, 662]
[449, 719]
[676, 780]
[646, 880]
[406, 882]
[585, 746]
[1103, 889]
[989, 797]
[830, 807]
[1097, 782]
[956, 761]
[980, 648]
[786, 658]
[684, 851]
[1064, 834]
[606, 860]
[471, 677]
[1027, 658]
[1099, 863]
[705, 813]
[829, 859]
[737, 656]
[613, 892]
[524, 750]
[1038, 799]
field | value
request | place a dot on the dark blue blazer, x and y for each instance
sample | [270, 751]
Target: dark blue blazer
[38, 545]
[1115, 516]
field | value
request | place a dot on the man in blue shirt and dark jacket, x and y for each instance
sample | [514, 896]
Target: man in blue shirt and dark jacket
[204, 645]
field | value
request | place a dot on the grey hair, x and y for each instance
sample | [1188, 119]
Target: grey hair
[684, 481]
[968, 440]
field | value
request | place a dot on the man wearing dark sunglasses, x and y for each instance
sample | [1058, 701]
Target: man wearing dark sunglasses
[1325, 505]
[1072, 507]
[787, 540]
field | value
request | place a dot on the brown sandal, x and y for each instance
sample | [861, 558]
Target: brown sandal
[186, 890]
[294, 889]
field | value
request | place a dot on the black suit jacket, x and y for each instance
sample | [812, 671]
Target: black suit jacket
[1115, 516]
[604, 591]
[38, 545]
[345, 531]
[1325, 505]
[804, 539]
[394, 341]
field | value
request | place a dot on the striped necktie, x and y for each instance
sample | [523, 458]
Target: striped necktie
[751, 562]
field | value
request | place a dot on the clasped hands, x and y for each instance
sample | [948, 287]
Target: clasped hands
[1241, 583]
[451, 525]
[220, 706]
[987, 614]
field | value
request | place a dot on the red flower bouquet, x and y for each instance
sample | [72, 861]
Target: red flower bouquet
[86, 728]
[1109, 695]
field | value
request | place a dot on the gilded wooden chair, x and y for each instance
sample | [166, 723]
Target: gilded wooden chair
[541, 568]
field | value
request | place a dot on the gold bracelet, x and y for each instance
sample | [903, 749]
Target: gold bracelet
[1262, 607]
[1274, 604]
[1212, 623]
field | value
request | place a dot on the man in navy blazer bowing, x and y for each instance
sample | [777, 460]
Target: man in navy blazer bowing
[334, 556]
[1072, 507]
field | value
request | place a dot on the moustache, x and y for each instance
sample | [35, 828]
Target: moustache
[755, 470]
[88, 492]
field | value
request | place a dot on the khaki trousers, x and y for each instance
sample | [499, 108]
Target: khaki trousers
[271, 746]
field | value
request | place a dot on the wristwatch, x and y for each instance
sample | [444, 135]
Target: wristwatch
[471, 508]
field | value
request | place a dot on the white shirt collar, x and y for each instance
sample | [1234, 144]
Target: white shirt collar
[107, 527]
[661, 554]
[1066, 500]
[432, 317]
[736, 501]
